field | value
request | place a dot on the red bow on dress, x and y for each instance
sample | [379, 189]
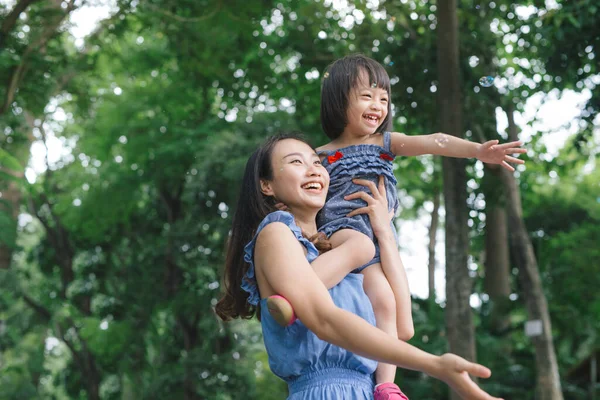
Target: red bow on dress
[334, 157]
[385, 156]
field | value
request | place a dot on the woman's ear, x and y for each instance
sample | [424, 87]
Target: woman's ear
[265, 187]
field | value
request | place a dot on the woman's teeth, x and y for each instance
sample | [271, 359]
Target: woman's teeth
[312, 185]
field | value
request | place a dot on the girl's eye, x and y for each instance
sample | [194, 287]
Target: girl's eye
[384, 100]
[318, 162]
[367, 95]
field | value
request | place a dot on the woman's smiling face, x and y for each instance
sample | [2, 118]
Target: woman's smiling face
[299, 178]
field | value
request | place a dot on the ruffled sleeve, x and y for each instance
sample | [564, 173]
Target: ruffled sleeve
[249, 281]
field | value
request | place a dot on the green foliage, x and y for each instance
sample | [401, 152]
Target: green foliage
[119, 261]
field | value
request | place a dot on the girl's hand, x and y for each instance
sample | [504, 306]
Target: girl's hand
[455, 370]
[281, 207]
[377, 205]
[493, 153]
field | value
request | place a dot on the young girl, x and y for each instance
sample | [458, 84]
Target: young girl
[356, 116]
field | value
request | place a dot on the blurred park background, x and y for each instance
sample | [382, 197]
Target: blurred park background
[124, 129]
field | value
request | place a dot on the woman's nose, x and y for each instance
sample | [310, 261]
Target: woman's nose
[314, 170]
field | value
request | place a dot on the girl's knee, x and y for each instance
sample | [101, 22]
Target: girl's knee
[384, 304]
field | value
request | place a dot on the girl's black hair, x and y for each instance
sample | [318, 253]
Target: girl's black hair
[338, 80]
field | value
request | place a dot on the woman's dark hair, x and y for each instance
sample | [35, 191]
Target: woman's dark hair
[339, 79]
[252, 207]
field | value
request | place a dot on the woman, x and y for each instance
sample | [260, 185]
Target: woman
[327, 353]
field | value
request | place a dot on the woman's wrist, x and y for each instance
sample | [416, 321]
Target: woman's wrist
[434, 367]
[384, 235]
[427, 363]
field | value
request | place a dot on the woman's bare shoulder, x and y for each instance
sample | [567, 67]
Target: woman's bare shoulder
[275, 233]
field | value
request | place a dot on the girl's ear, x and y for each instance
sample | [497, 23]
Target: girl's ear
[265, 187]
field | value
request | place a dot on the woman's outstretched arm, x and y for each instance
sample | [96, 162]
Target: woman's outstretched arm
[281, 267]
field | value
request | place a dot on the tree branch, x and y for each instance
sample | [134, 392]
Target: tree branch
[41, 310]
[185, 19]
[11, 19]
[38, 45]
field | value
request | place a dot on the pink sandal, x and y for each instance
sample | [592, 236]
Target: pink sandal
[389, 391]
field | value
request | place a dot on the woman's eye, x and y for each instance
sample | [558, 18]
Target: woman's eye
[296, 161]
[318, 162]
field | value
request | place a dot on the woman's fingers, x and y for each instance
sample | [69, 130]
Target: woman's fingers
[364, 182]
[381, 185]
[477, 370]
[474, 392]
[360, 195]
[378, 196]
[362, 210]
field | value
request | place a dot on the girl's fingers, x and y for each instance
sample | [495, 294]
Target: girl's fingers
[489, 144]
[513, 160]
[516, 151]
[505, 146]
[281, 207]
[507, 166]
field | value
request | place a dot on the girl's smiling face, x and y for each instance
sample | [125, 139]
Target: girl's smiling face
[367, 108]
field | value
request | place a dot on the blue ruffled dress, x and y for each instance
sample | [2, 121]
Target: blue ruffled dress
[365, 161]
[313, 369]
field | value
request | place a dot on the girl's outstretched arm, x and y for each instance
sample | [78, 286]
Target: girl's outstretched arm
[450, 146]
[281, 267]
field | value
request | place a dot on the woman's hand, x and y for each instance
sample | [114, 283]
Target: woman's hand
[455, 370]
[376, 208]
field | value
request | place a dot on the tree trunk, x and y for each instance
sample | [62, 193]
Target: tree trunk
[548, 380]
[435, 217]
[459, 319]
[497, 266]
[497, 260]
[12, 194]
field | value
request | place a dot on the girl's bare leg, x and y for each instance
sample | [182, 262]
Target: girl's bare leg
[382, 298]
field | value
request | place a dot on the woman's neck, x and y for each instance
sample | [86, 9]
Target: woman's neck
[306, 221]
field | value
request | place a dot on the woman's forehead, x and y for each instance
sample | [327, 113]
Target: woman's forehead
[287, 146]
